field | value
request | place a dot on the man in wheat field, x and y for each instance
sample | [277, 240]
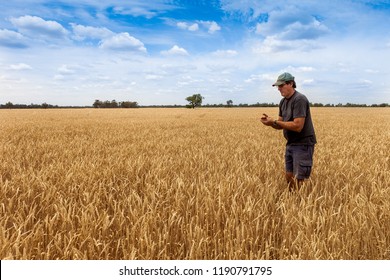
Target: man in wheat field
[295, 120]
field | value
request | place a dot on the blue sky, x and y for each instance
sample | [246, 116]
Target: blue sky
[159, 52]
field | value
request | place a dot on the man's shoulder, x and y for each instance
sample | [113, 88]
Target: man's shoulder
[299, 96]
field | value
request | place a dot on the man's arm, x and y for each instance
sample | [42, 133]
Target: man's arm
[268, 121]
[277, 126]
[295, 125]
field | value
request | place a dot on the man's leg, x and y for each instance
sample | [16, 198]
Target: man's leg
[293, 183]
[290, 181]
[289, 168]
[302, 165]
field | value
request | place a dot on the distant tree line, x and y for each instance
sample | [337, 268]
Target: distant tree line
[348, 105]
[230, 104]
[195, 102]
[10, 105]
[114, 104]
[311, 104]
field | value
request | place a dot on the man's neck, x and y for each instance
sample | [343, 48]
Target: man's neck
[288, 97]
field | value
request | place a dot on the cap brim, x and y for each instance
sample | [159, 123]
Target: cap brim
[278, 83]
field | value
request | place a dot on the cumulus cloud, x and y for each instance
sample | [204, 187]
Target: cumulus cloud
[12, 39]
[210, 26]
[281, 28]
[287, 30]
[293, 20]
[82, 32]
[108, 39]
[175, 50]
[35, 26]
[273, 44]
[187, 26]
[298, 31]
[123, 41]
[20, 66]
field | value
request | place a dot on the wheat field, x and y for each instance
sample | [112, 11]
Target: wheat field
[190, 184]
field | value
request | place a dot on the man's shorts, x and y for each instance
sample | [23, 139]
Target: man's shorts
[299, 160]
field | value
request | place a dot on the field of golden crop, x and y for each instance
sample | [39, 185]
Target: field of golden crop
[190, 184]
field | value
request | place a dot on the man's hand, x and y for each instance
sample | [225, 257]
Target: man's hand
[266, 120]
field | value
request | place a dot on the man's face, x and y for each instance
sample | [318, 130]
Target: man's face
[286, 90]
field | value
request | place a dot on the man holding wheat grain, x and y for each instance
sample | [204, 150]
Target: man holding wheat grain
[295, 120]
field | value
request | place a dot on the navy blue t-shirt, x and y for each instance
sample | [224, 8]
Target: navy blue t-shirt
[297, 106]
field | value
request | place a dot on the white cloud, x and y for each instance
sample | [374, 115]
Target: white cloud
[364, 83]
[187, 26]
[138, 8]
[182, 25]
[59, 77]
[12, 39]
[153, 77]
[212, 26]
[299, 69]
[260, 77]
[308, 82]
[273, 44]
[20, 66]
[135, 11]
[66, 70]
[174, 69]
[222, 68]
[36, 26]
[82, 32]
[225, 53]
[300, 31]
[290, 29]
[306, 69]
[193, 27]
[123, 41]
[291, 24]
[188, 80]
[175, 50]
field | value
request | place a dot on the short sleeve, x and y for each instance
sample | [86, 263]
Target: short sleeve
[280, 108]
[300, 108]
